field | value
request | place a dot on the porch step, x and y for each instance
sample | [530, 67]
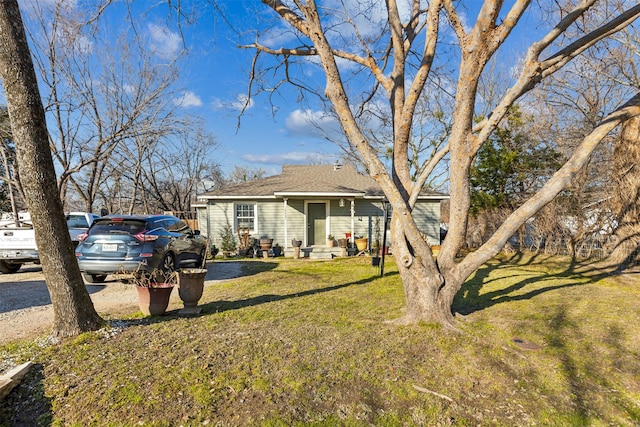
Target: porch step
[315, 252]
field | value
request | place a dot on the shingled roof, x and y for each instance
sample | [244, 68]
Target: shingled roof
[305, 180]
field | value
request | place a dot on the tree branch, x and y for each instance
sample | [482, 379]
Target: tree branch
[558, 182]
[300, 51]
[455, 22]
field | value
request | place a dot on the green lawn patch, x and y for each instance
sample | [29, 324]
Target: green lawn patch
[299, 342]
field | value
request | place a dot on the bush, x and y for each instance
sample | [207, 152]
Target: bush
[228, 239]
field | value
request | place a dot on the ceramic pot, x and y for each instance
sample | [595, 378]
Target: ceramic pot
[154, 300]
[362, 243]
[265, 244]
[191, 285]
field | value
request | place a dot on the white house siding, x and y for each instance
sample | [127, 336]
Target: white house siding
[202, 217]
[427, 216]
[367, 212]
[271, 221]
[295, 221]
[214, 216]
[340, 219]
[270, 217]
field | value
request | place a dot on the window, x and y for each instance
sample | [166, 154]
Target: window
[118, 226]
[77, 221]
[176, 226]
[246, 216]
[169, 224]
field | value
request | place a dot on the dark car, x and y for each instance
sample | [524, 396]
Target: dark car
[138, 244]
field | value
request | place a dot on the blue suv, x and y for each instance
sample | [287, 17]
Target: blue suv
[150, 244]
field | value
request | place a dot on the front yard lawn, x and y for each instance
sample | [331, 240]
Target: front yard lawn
[299, 342]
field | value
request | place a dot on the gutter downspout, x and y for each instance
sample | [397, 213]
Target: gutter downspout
[286, 231]
[353, 213]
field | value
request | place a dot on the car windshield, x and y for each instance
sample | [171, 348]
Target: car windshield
[77, 221]
[118, 226]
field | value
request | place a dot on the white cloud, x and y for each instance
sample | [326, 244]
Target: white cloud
[294, 157]
[278, 37]
[312, 123]
[188, 99]
[240, 103]
[164, 42]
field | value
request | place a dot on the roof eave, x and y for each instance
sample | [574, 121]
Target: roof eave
[236, 197]
[433, 197]
[318, 194]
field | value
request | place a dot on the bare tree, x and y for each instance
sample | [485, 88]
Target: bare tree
[243, 174]
[73, 310]
[13, 194]
[102, 94]
[626, 194]
[571, 103]
[172, 169]
[398, 55]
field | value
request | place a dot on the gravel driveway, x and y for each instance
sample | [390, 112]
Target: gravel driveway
[25, 305]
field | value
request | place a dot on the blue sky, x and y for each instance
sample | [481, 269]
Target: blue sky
[215, 80]
[214, 75]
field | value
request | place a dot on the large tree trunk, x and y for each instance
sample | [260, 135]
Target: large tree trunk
[73, 310]
[428, 297]
[626, 194]
[428, 294]
[430, 287]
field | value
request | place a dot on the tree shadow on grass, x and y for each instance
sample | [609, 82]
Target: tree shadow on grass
[227, 270]
[27, 405]
[220, 306]
[566, 339]
[470, 300]
[223, 305]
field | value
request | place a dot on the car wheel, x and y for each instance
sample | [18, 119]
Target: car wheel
[9, 268]
[95, 278]
[168, 264]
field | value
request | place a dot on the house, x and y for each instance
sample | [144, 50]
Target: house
[308, 203]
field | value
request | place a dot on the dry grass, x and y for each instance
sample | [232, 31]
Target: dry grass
[308, 343]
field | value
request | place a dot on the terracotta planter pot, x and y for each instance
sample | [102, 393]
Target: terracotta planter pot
[362, 243]
[191, 285]
[343, 243]
[265, 244]
[153, 301]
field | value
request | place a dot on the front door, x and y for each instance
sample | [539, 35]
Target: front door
[316, 223]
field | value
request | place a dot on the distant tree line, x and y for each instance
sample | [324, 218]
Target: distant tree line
[117, 137]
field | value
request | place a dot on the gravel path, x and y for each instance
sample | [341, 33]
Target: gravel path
[26, 310]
